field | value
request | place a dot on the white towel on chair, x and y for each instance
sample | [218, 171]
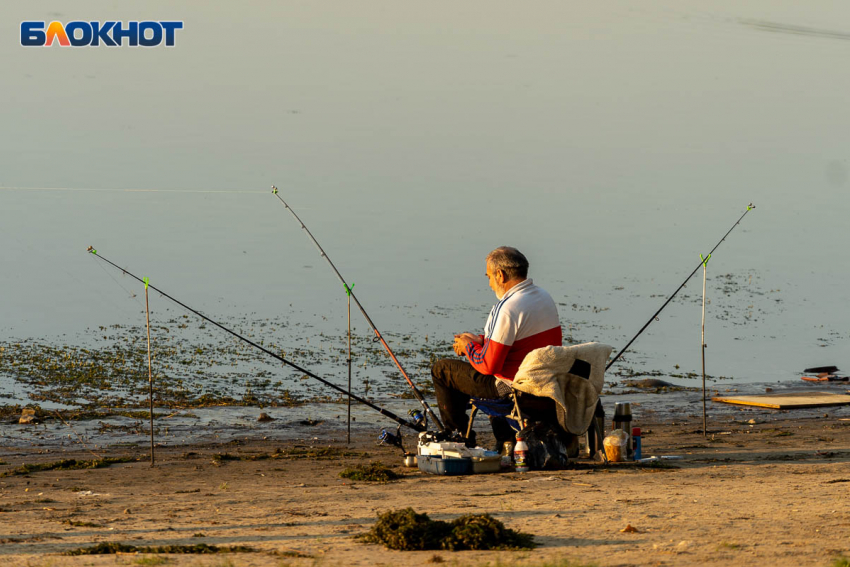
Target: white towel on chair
[545, 373]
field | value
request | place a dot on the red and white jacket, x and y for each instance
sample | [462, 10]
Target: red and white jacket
[524, 320]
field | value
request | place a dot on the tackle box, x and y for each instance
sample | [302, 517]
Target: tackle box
[487, 464]
[435, 464]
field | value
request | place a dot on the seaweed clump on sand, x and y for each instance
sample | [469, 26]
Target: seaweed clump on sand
[373, 472]
[406, 530]
[482, 531]
[105, 548]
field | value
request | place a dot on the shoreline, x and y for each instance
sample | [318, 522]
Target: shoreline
[324, 420]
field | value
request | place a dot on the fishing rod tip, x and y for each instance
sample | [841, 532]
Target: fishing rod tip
[274, 190]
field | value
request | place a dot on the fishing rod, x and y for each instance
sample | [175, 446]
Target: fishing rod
[669, 299]
[378, 335]
[382, 411]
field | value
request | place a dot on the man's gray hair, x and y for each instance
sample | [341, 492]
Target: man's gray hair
[510, 260]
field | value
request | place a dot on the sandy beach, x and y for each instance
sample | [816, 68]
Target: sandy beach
[770, 492]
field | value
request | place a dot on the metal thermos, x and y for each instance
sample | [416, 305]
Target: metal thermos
[623, 420]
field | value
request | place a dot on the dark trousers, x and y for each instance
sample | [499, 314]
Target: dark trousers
[455, 381]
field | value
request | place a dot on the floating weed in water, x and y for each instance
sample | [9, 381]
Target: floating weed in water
[373, 472]
[407, 530]
[192, 368]
[8, 412]
[43, 416]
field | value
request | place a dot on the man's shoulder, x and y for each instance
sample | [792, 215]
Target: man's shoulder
[530, 290]
[530, 296]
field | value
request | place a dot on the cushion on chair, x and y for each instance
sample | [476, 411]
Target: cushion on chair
[548, 372]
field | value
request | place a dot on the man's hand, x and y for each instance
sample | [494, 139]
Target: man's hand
[462, 340]
[474, 338]
[459, 345]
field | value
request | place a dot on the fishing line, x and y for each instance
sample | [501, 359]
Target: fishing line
[669, 299]
[363, 401]
[82, 442]
[378, 336]
[54, 265]
[130, 294]
[96, 190]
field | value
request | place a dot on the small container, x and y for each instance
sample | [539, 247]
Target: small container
[410, 460]
[507, 455]
[521, 455]
[615, 445]
[487, 464]
[623, 420]
[636, 449]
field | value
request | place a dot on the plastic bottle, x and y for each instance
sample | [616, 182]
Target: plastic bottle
[636, 443]
[521, 455]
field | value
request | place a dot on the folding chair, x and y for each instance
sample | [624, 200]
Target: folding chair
[535, 407]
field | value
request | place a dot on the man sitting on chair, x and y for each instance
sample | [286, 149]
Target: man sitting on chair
[525, 319]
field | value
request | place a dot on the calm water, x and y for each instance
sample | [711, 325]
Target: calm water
[612, 143]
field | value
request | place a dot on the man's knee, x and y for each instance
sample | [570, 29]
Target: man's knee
[440, 369]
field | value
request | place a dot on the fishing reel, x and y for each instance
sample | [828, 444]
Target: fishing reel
[418, 418]
[440, 436]
[392, 439]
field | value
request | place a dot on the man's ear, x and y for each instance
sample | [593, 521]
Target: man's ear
[503, 278]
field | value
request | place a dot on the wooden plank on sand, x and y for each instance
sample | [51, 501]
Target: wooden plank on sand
[788, 401]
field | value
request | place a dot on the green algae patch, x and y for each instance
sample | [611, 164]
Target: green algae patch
[315, 453]
[222, 457]
[106, 367]
[406, 530]
[199, 548]
[373, 472]
[68, 464]
[81, 524]
[9, 412]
